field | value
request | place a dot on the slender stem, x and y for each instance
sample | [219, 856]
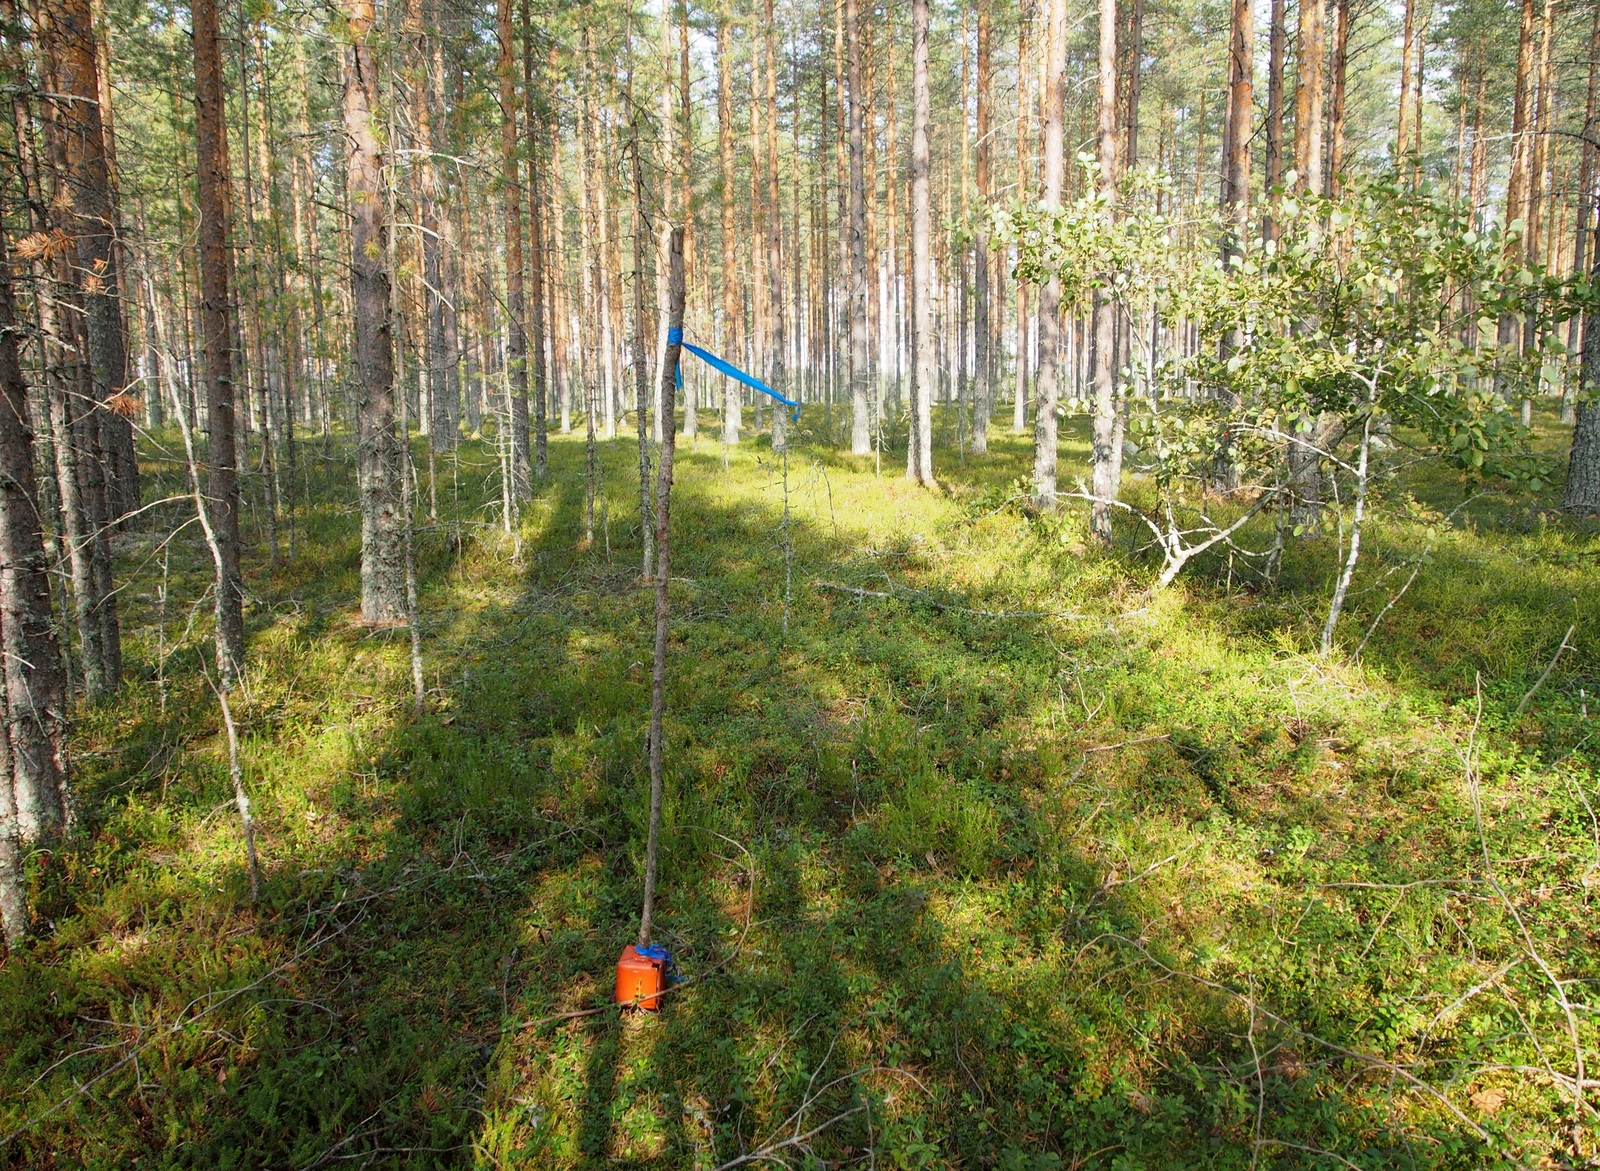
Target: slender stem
[658, 674]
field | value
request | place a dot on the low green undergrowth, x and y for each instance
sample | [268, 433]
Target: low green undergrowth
[999, 861]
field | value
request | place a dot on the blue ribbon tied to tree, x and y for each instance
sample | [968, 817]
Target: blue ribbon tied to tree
[675, 338]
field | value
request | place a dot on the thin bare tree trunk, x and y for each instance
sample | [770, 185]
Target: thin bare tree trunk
[658, 672]
[640, 366]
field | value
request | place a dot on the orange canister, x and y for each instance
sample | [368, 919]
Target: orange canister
[641, 976]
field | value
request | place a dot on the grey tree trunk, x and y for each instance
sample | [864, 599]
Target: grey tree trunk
[35, 784]
[1583, 466]
[378, 467]
[13, 886]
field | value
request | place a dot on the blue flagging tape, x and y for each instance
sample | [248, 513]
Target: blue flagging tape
[675, 338]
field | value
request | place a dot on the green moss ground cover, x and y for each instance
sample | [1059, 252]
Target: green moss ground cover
[1018, 867]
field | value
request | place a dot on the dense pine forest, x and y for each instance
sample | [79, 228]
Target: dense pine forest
[1030, 566]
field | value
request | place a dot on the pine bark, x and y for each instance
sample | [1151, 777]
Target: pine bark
[1582, 493]
[378, 464]
[1044, 429]
[1333, 180]
[538, 364]
[919, 449]
[1105, 456]
[1276, 35]
[215, 204]
[516, 331]
[69, 26]
[1585, 237]
[1308, 98]
[731, 308]
[1236, 128]
[775, 312]
[860, 372]
[1409, 43]
[34, 705]
[984, 350]
[444, 390]
[1019, 401]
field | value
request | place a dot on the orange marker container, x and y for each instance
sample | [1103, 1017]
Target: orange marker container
[640, 979]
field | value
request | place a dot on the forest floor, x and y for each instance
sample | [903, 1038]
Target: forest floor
[1007, 862]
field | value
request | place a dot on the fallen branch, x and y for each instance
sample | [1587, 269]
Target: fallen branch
[1560, 650]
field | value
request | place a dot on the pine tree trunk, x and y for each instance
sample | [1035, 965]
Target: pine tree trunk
[517, 336]
[1517, 182]
[1105, 456]
[731, 310]
[1336, 115]
[984, 350]
[775, 313]
[1044, 427]
[861, 421]
[691, 420]
[69, 26]
[919, 453]
[1583, 466]
[538, 365]
[1019, 400]
[33, 790]
[1586, 237]
[378, 469]
[215, 203]
[1408, 69]
[1310, 42]
[426, 98]
[1275, 42]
